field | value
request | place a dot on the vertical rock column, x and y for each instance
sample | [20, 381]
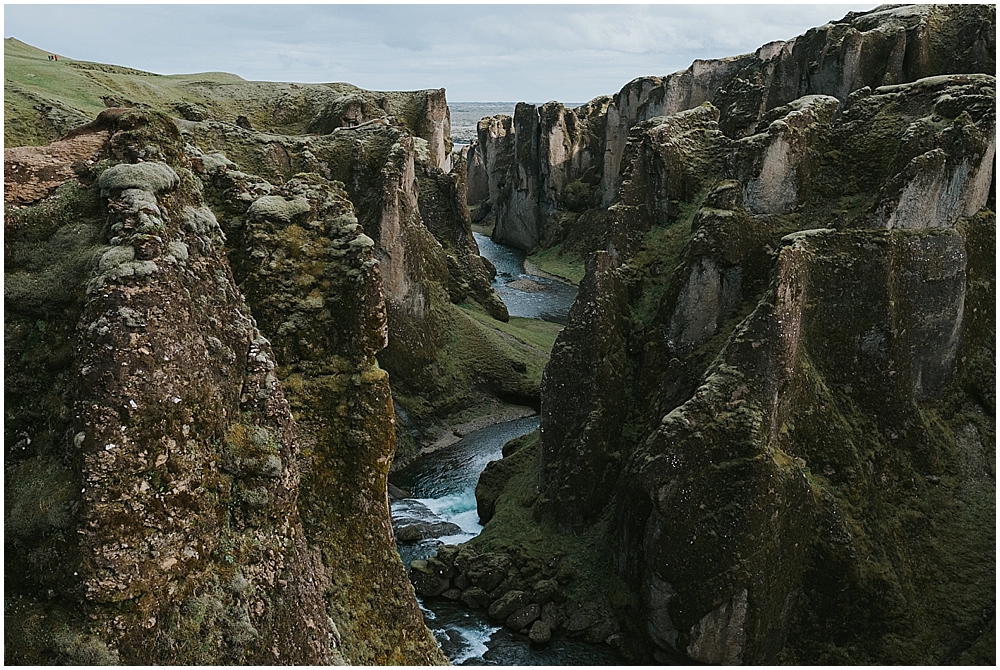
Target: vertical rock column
[191, 546]
[518, 215]
[311, 276]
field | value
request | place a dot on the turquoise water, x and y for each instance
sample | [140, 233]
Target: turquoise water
[550, 303]
[445, 481]
[444, 485]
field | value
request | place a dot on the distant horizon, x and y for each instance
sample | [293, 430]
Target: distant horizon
[478, 53]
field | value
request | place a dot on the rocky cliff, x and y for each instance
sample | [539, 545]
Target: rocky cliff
[770, 420]
[328, 218]
[441, 360]
[391, 150]
[561, 161]
[206, 496]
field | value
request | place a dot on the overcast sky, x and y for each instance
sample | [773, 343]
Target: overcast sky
[535, 53]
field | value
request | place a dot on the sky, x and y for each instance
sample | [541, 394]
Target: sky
[478, 52]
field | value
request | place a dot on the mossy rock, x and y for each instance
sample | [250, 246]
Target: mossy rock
[153, 177]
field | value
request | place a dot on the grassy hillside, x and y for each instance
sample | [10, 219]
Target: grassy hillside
[44, 99]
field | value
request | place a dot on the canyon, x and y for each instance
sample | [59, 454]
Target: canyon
[233, 310]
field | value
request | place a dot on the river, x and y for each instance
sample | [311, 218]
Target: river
[526, 295]
[442, 488]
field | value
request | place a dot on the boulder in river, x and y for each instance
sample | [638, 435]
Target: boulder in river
[475, 597]
[524, 616]
[412, 521]
[510, 602]
[540, 632]
[428, 577]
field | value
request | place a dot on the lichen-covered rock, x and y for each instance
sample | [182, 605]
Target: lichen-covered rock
[153, 177]
[213, 550]
[492, 481]
[551, 149]
[168, 381]
[414, 215]
[475, 597]
[777, 167]
[582, 414]
[428, 578]
[310, 274]
[508, 604]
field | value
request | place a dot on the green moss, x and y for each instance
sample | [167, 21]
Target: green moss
[41, 496]
[585, 571]
[71, 202]
[38, 632]
[661, 252]
[153, 177]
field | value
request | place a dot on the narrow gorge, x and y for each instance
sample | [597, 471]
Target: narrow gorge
[267, 346]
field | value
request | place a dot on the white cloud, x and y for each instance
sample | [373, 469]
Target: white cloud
[478, 52]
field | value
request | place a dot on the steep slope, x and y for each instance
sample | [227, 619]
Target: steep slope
[164, 451]
[326, 297]
[547, 164]
[770, 420]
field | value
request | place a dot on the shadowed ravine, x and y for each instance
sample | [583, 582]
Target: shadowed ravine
[442, 485]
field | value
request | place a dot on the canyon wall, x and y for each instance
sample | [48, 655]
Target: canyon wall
[440, 360]
[803, 406]
[42, 108]
[282, 278]
[768, 430]
[553, 148]
[177, 455]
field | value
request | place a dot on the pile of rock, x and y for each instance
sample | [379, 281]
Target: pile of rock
[524, 595]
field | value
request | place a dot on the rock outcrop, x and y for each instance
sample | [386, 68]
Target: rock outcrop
[771, 410]
[415, 214]
[180, 455]
[546, 156]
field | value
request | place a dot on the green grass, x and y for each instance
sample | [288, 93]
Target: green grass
[484, 346]
[566, 265]
[538, 334]
[76, 90]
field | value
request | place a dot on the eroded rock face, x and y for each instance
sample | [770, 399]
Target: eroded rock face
[880, 48]
[776, 354]
[797, 342]
[582, 414]
[416, 216]
[530, 160]
[182, 528]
